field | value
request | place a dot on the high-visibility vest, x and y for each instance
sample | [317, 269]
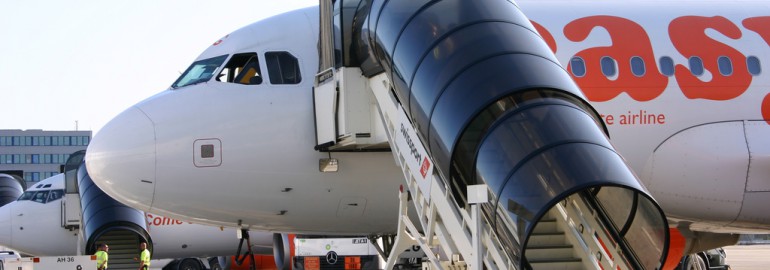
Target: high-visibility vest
[101, 259]
[145, 257]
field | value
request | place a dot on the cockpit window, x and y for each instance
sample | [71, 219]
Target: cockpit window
[200, 71]
[55, 195]
[243, 68]
[283, 68]
[26, 196]
[42, 196]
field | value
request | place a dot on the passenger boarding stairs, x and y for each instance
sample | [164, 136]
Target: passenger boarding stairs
[101, 219]
[124, 247]
[506, 165]
[570, 236]
[573, 234]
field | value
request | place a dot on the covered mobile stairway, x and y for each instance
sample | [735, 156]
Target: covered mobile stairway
[104, 220]
[507, 166]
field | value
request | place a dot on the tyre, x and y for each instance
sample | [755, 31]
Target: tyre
[694, 262]
[189, 264]
[213, 263]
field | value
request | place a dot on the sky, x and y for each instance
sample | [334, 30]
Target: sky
[78, 63]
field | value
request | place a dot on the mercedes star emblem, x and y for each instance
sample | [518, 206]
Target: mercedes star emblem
[331, 257]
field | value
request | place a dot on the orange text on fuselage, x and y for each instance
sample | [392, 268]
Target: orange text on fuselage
[687, 34]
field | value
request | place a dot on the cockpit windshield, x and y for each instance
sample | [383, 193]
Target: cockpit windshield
[42, 196]
[200, 71]
[26, 196]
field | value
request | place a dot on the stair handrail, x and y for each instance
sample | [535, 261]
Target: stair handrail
[586, 233]
[627, 252]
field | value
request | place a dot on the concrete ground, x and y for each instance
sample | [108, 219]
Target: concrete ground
[748, 257]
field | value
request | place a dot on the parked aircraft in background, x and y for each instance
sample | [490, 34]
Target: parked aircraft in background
[32, 225]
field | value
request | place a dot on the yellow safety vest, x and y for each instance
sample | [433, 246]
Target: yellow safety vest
[101, 259]
[145, 257]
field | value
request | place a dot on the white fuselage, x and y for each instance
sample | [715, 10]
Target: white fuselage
[264, 173]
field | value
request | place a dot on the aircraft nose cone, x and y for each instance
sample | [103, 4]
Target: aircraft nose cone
[5, 225]
[121, 158]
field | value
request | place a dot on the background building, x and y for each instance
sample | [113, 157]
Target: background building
[37, 154]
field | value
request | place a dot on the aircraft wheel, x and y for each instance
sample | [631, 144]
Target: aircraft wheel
[694, 262]
[189, 264]
[214, 264]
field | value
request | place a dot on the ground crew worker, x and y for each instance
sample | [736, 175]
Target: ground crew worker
[144, 257]
[102, 256]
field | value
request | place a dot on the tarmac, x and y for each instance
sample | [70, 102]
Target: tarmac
[748, 257]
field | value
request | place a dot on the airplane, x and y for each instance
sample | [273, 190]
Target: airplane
[677, 86]
[32, 225]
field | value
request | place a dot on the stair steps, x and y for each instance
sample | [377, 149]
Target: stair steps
[548, 247]
[124, 247]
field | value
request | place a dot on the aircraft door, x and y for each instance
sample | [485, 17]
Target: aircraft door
[757, 194]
